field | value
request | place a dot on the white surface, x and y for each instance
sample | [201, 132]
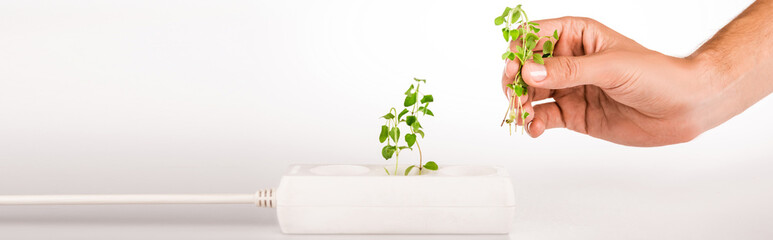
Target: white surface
[372, 202]
[220, 97]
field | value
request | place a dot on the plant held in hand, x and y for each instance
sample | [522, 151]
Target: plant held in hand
[415, 104]
[517, 27]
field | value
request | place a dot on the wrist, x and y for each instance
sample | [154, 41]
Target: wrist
[714, 100]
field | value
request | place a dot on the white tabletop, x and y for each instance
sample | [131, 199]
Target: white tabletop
[551, 204]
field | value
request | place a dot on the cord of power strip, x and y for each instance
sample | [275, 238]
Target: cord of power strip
[263, 198]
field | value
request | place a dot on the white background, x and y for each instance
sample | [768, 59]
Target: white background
[220, 96]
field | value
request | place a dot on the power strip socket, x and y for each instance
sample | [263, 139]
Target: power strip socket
[363, 199]
[354, 199]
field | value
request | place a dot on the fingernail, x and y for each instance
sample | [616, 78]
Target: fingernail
[537, 72]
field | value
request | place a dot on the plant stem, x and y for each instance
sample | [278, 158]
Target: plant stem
[420, 157]
[413, 112]
[397, 158]
[413, 109]
[397, 151]
[506, 112]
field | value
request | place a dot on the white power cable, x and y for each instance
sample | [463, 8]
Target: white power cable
[263, 198]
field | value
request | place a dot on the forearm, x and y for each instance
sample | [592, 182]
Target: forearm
[736, 65]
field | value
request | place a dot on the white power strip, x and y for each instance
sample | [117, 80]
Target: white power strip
[356, 199]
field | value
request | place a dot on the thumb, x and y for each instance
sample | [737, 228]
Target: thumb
[565, 72]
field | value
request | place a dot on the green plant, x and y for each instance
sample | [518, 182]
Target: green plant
[390, 131]
[519, 28]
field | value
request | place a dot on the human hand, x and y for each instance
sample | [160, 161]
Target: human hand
[610, 87]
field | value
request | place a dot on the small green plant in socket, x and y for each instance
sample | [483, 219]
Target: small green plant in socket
[416, 104]
[518, 28]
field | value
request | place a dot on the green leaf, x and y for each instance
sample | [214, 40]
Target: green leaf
[506, 34]
[520, 56]
[420, 132]
[420, 80]
[531, 37]
[555, 34]
[394, 133]
[400, 116]
[504, 55]
[410, 99]
[533, 24]
[547, 47]
[530, 45]
[384, 133]
[416, 126]
[519, 49]
[511, 56]
[538, 59]
[507, 10]
[535, 29]
[410, 139]
[388, 116]
[408, 170]
[431, 166]
[426, 111]
[409, 90]
[410, 119]
[514, 34]
[519, 90]
[499, 20]
[387, 151]
[516, 15]
[427, 98]
[525, 115]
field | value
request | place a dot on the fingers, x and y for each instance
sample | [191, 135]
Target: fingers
[546, 116]
[579, 55]
[573, 35]
[564, 72]
[571, 31]
[508, 75]
[536, 94]
[511, 69]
